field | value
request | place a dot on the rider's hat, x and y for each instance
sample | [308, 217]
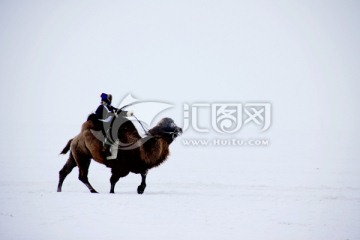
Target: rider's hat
[106, 98]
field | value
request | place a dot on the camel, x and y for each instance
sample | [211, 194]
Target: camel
[135, 154]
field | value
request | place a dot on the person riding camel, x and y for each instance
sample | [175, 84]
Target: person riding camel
[105, 114]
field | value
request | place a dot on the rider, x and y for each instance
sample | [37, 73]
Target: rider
[105, 113]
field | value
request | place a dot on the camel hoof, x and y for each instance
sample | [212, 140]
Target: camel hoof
[93, 191]
[141, 189]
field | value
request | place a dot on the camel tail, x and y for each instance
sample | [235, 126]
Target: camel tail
[67, 147]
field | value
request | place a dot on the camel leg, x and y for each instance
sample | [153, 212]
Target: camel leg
[68, 167]
[116, 175]
[142, 186]
[83, 164]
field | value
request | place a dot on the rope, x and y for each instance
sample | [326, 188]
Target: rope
[146, 131]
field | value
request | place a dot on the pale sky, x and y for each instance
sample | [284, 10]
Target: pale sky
[57, 57]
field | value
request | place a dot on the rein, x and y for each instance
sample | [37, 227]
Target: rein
[146, 131]
[142, 126]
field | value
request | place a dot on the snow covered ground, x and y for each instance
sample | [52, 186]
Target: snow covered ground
[189, 197]
[57, 57]
[180, 210]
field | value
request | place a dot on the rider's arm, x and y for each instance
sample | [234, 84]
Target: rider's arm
[113, 109]
[104, 113]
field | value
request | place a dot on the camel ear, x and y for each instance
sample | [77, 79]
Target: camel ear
[109, 97]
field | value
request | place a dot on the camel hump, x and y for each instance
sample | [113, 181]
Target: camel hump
[87, 125]
[92, 117]
[92, 122]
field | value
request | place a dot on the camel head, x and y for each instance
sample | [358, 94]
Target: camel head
[167, 129]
